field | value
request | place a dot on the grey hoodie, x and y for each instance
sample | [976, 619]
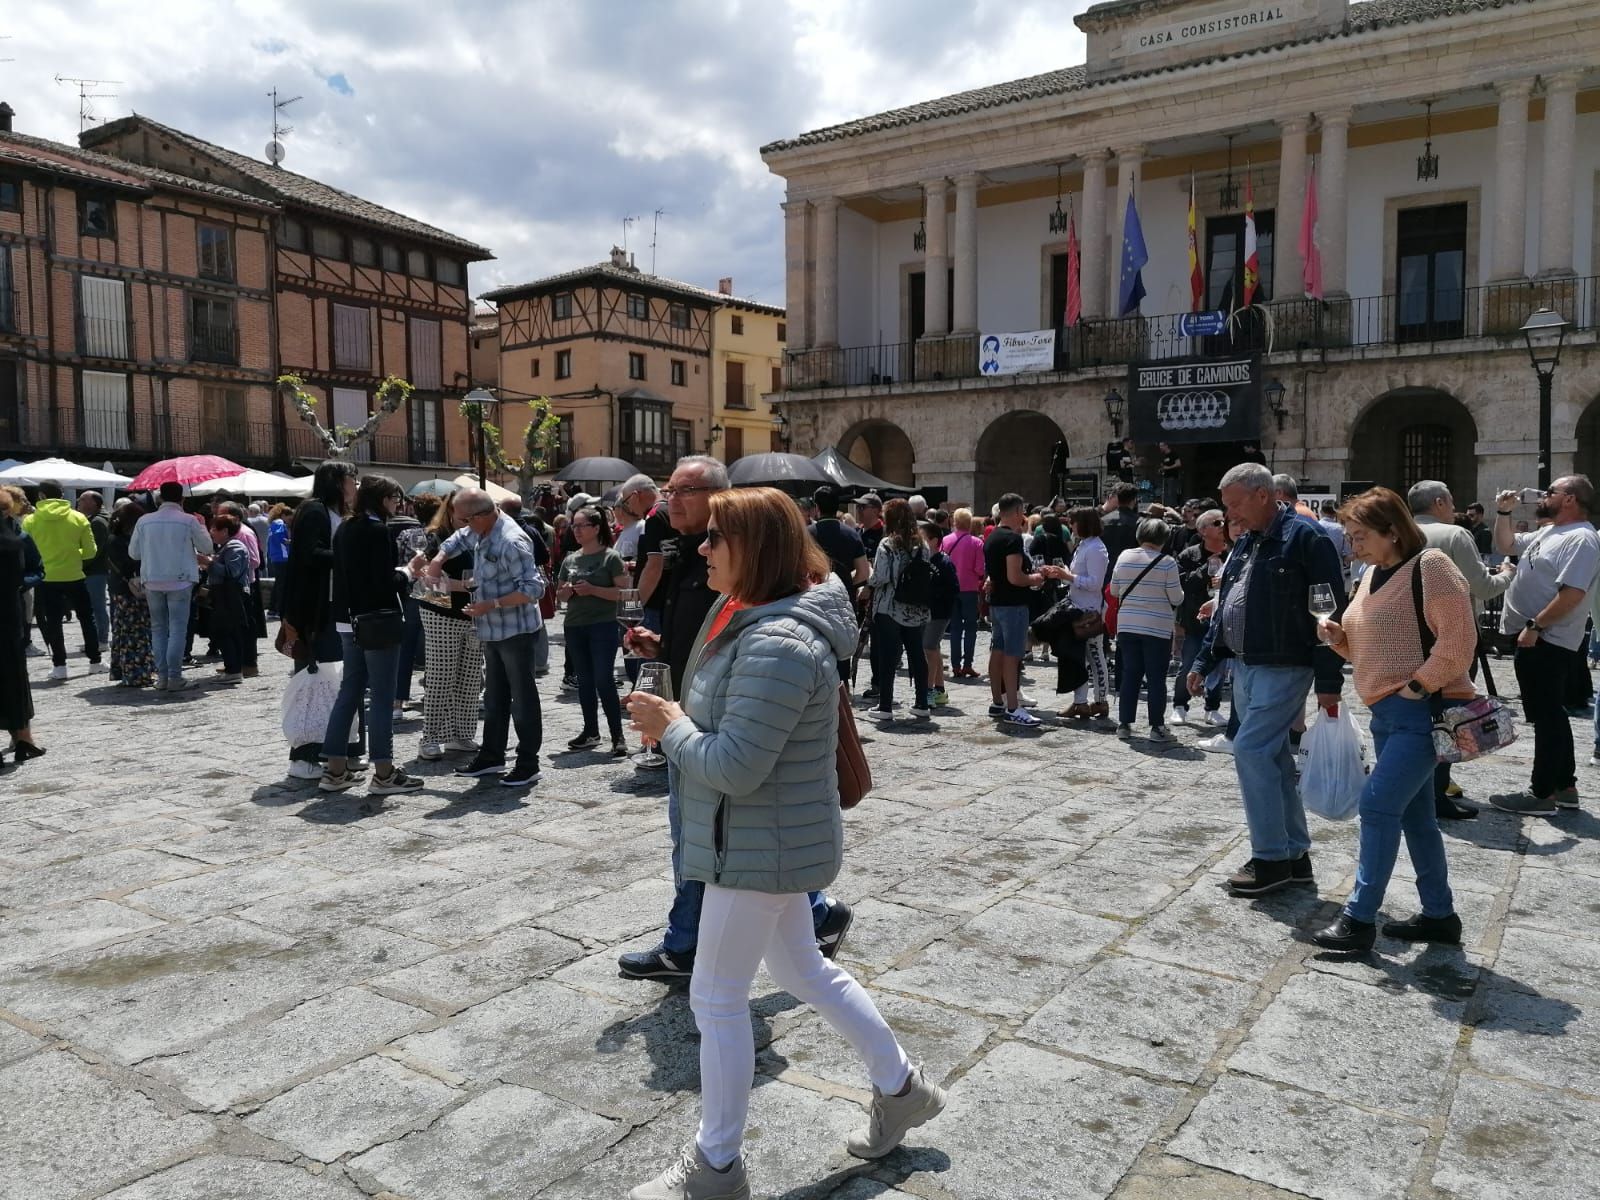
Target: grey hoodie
[756, 780]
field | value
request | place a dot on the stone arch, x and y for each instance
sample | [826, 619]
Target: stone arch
[1014, 456]
[882, 448]
[1415, 433]
[1586, 459]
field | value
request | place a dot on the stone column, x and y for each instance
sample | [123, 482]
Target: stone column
[964, 318]
[1507, 257]
[1560, 145]
[1129, 160]
[1091, 240]
[935, 263]
[1288, 273]
[797, 273]
[827, 286]
[1332, 210]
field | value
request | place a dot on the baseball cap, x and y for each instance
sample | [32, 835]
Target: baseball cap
[870, 498]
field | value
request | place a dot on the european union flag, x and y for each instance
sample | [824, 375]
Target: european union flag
[1134, 256]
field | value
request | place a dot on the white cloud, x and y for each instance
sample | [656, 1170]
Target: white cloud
[534, 127]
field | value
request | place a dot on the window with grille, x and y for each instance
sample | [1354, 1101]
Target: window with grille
[212, 337]
[561, 306]
[678, 316]
[635, 366]
[352, 338]
[638, 308]
[103, 316]
[327, 242]
[216, 252]
[106, 405]
[427, 441]
[8, 302]
[1424, 453]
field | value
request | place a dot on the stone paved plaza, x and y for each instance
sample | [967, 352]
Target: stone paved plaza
[216, 984]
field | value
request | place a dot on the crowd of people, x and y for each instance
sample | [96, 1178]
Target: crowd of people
[761, 607]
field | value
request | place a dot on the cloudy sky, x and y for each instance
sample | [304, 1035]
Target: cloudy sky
[533, 127]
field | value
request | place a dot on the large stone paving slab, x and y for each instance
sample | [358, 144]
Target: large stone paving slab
[1509, 1141]
[352, 1109]
[456, 979]
[219, 1177]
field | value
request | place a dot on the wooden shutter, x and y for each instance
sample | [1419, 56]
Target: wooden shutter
[350, 408]
[105, 317]
[733, 436]
[105, 410]
[734, 396]
[352, 338]
[427, 369]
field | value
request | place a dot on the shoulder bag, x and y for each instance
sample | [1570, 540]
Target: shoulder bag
[1114, 602]
[1473, 728]
[855, 773]
[381, 629]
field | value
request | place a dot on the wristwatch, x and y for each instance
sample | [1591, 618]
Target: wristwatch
[1416, 689]
[1535, 626]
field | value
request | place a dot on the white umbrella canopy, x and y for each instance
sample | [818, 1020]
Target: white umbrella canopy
[256, 483]
[67, 474]
[496, 492]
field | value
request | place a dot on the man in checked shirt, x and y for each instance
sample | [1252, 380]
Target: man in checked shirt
[505, 616]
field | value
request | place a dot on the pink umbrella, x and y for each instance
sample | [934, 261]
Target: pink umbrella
[188, 470]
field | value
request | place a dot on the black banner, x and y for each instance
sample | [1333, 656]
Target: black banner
[1195, 400]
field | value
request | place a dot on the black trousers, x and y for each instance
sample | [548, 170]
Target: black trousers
[57, 603]
[1543, 670]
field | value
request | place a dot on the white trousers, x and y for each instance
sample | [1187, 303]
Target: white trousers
[738, 930]
[1095, 660]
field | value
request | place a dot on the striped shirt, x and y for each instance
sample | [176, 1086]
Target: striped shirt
[1146, 609]
[502, 563]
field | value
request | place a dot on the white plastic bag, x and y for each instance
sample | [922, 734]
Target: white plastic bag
[307, 702]
[1331, 782]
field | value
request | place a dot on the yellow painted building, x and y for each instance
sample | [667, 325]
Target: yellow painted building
[747, 345]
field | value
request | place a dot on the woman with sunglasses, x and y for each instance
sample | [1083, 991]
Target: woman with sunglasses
[17, 567]
[753, 751]
[592, 579]
[1200, 572]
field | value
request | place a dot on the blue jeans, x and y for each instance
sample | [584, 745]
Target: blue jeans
[1268, 699]
[683, 918]
[411, 652]
[1143, 660]
[594, 652]
[511, 697]
[97, 603]
[1180, 688]
[169, 629]
[889, 640]
[1398, 798]
[963, 631]
[366, 671]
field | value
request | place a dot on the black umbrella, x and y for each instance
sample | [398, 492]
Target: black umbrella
[597, 470]
[794, 473]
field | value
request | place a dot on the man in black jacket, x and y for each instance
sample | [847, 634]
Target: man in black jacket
[1200, 572]
[1119, 528]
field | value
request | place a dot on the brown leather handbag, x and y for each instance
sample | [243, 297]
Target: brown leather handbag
[855, 773]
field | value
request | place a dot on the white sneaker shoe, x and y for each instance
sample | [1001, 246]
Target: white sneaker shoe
[305, 770]
[430, 752]
[97, 668]
[892, 1117]
[1221, 744]
[460, 746]
[1216, 718]
[691, 1178]
[58, 672]
[1180, 714]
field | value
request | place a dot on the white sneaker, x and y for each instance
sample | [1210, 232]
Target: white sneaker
[430, 752]
[922, 712]
[459, 746]
[1180, 714]
[97, 668]
[58, 672]
[1025, 702]
[1023, 717]
[305, 770]
[691, 1178]
[1221, 744]
[1216, 718]
[880, 715]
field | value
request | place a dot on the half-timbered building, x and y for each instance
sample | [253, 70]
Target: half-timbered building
[625, 357]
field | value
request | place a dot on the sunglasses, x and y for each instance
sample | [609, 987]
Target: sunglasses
[669, 492]
[714, 537]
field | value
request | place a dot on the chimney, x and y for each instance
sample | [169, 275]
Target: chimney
[6, 113]
[725, 286]
[619, 257]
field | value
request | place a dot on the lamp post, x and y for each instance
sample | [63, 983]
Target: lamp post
[714, 436]
[780, 422]
[1114, 406]
[1273, 391]
[481, 397]
[1545, 332]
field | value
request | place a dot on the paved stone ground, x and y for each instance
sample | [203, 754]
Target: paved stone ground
[217, 984]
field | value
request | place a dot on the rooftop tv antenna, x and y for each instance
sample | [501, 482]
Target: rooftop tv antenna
[86, 94]
[655, 227]
[627, 223]
[275, 150]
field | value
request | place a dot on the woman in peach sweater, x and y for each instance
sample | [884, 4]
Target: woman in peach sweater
[1402, 660]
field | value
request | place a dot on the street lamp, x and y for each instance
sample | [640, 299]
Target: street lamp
[481, 397]
[1273, 392]
[1545, 331]
[780, 422]
[714, 436]
[1114, 406]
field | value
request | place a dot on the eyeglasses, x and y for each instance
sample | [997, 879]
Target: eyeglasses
[667, 493]
[584, 525]
[714, 536]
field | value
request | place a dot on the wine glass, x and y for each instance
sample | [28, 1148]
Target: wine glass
[630, 611]
[1322, 602]
[469, 582]
[655, 679]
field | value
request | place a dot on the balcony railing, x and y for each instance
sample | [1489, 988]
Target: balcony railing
[1369, 322]
[741, 396]
[214, 344]
[8, 310]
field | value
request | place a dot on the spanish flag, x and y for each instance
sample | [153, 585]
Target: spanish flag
[1252, 260]
[1197, 281]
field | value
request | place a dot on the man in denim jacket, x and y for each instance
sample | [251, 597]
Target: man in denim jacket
[1263, 621]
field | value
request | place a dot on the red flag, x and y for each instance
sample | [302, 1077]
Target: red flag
[1074, 292]
[1197, 281]
[1252, 260]
[1310, 253]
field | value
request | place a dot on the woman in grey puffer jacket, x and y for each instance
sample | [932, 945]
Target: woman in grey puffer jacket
[754, 751]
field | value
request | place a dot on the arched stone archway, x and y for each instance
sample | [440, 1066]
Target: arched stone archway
[882, 448]
[1586, 460]
[1416, 433]
[1014, 456]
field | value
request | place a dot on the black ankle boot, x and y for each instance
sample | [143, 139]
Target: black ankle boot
[1347, 935]
[1444, 930]
[1446, 809]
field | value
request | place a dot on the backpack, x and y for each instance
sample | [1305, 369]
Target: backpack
[914, 586]
[945, 589]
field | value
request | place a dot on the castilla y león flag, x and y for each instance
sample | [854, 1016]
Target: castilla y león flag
[1074, 290]
[1252, 260]
[1197, 282]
